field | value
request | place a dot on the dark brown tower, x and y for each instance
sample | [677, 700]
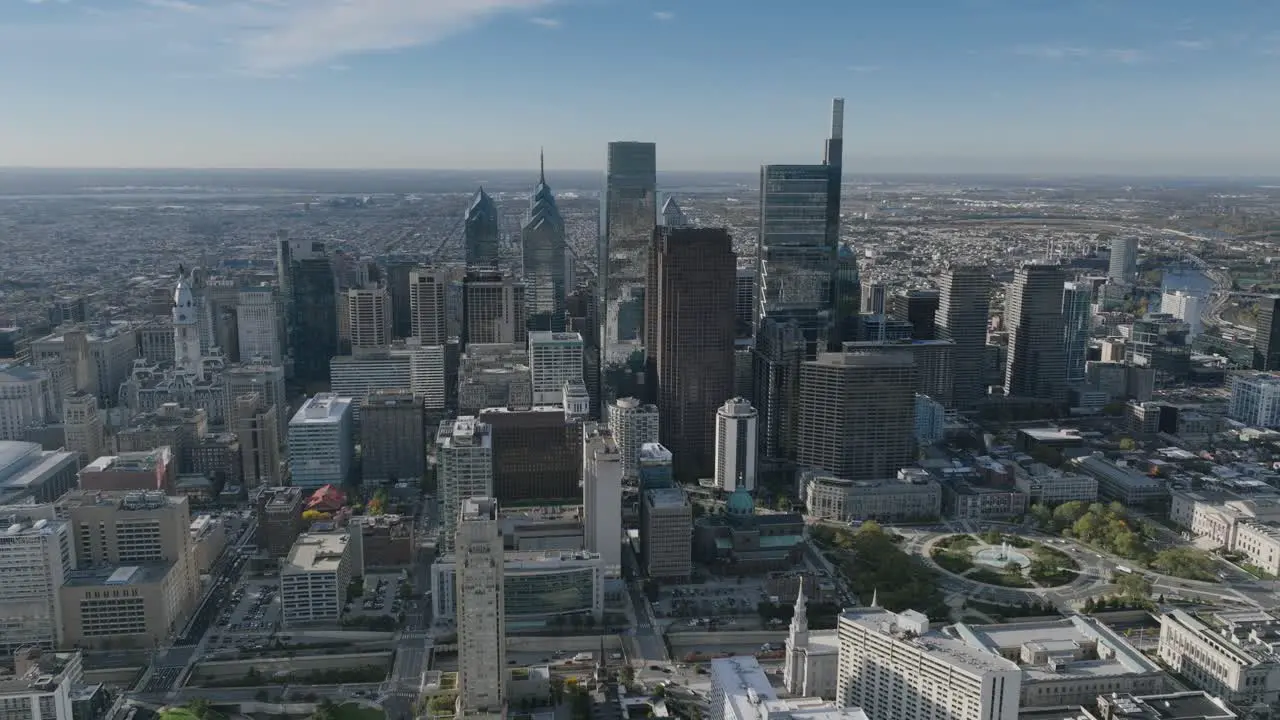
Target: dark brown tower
[689, 334]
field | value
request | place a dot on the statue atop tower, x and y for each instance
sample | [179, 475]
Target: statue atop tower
[186, 330]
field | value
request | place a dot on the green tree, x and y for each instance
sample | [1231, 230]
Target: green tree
[1133, 586]
[200, 708]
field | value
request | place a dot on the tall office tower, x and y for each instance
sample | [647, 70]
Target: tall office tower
[258, 324]
[689, 338]
[964, 310]
[398, 272]
[68, 309]
[1266, 342]
[37, 554]
[393, 445]
[737, 432]
[857, 413]
[892, 665]
[672, 215]
[1037, 361]
[482, 637]
[369, 313]
[602, 496]
[1186, 307]
[874, 298]
[920, 308]
[321, 442]
[464, 453]
[537, 454]
[1161, 342]
[15, 345]
[493, 308]
[780, 348]
[798, 258]
[82, 427]
[744, 302]
[310, 290]
[1077, 318]
[26, 400]
[666, 534]
[259, 435]
[547, 264]
[480, 231]
[627, 219]
[266, 380]
[633, 424]
[555, 358]
[1124, 260]
[428, 310]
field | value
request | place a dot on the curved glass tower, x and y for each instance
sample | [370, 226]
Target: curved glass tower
[481, 231]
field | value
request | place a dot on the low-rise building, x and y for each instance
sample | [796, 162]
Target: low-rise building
[1123, 484]
[740, 690]
[911, 496]
[208, 540]
[1053, 487]
[145, 470]
[41, 684]
[31, 474]
[1230, 654]
[387, 541]
[132, 606]
[314, 579]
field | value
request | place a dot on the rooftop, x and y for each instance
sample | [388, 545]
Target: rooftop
[744, 682]
[1070, 646]
[322, 409]
[316, 552]
[141, 461]
[954, 652]
[666, 497]
[119, 576]
[545, 337]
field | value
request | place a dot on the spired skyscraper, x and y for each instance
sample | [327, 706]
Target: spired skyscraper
[481, 231]
[628, 215]
[547, 269]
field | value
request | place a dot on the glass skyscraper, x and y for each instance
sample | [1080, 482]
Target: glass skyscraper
[1076, 318]
[627, 219]
[545, 260]
[481, 231]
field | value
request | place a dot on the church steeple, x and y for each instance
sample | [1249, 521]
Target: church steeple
[795, 665]
[800, 621]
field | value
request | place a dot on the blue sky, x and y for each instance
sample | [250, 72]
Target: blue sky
[1122, 86]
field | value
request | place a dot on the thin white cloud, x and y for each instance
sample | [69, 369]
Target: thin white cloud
[1194, 44]
[664, 15]
[1125, 56]
[545, 22]
[864, 69]
[179, 5]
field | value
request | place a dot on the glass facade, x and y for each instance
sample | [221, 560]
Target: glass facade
[562, 591]
[481, 231]
[627, 219]
[1076, 314]
[546, 263]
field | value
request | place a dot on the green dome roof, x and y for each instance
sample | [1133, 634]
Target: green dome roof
[740, 503]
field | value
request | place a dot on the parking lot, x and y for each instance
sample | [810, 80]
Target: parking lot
[382, 595]
[713, 600]
[255, 611]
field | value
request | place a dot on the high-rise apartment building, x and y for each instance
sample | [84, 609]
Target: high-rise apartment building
[258, 324]
[555, 358]
[480, 230]
[464, 451]
[258, 432]
[628, 216]
[481, 612]
[1124, 260]
[493, 308]
[548, 266]
[602, 496]
[1037, 360]
[689, 339]
[918, 307]
[310, 290]
[428, 310]
[893, 665]
[964, 310]
[737, 432]
[321, 442]
[799, 239]
[1077, 324]
[1185, 306]
[36, 553]
[875, 296]
[393, 444]
[857, 413]
[1255, 399]
[633, 424]
[369, 315]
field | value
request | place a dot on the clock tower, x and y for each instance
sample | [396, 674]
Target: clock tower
[186, 330]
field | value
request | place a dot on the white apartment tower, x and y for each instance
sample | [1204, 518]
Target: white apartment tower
[736, 429]
[428, 311]
[1255, 400]
[369, 317]
[602, 496]
[555, 358]
[1186, 307]
[259, 324]
[321, 442]
[633, 424]
[482, 636]
[36, 552]
[464, 452]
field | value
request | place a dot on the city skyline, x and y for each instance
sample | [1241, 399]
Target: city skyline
[981, 86]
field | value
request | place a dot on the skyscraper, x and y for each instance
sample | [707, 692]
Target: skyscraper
[493, 308]
[547, 267]
[1184, 306]
[672, 215]
[964, 310]
[482, 637]
[1037, 361]
[920, 308]
[428, 313]
[689, 336]
[628, 216]
[857, 413]
[310, 290]
[633, 424]
[258, 324]
[369, 313]
[555, 358]
[798, 254]
[464, 450]
[602, 495]
[737, 433]
[1124, 259]
[480, 231]
[186, 331]
[1076, 319]
[398, 287]
[780, 348]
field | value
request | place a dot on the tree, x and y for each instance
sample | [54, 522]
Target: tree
[1127, 444]
[1133, 586]
[992, 537]
[200, 708]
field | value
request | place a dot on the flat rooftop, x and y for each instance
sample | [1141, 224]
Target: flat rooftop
[316, 552]
[666, 497]
[951, 650]
[745, 683]
[1068, 636]
[124, 575]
